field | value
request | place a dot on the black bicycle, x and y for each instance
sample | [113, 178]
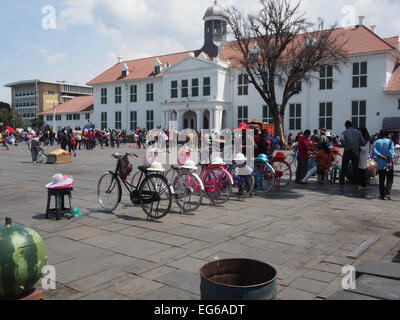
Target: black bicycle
[152, 191]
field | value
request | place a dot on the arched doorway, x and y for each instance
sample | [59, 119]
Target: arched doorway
[190, 120]
[206, 119]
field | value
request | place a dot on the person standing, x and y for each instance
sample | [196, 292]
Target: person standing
[36, 148]
[264, 146]
[352, 140]
[304, 147]
[62, 139]
[364, 154]
[384, 151]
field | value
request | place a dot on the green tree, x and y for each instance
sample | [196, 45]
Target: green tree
[4, 105]
[37, 123]
[12, 119]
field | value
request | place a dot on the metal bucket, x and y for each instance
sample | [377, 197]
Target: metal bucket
[238, 279]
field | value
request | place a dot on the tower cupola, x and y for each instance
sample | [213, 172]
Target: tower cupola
[215, 30]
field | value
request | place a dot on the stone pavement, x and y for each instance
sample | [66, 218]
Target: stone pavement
[305, 232]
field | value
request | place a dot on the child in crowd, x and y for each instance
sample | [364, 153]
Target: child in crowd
[325, 160]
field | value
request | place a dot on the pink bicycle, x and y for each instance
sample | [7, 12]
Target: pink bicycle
[217, 182]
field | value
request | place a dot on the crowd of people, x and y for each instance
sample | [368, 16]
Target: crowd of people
[358, 147]
[322, 146]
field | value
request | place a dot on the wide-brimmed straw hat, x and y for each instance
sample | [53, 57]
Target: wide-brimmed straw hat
[156, 167]
[61, 182]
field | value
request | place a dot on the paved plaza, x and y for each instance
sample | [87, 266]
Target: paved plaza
[305, 232]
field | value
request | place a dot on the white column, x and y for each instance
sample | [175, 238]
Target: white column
[212, 119]
[218, 119]
[163, 119]
[168, 116]
[199, 122]
[179, 120]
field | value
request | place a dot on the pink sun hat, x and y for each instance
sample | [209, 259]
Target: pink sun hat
[61, 182]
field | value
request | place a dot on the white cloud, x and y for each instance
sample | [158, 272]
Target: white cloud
[53, 58]
[140, 28]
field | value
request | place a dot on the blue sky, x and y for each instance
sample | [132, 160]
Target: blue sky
[91, 34]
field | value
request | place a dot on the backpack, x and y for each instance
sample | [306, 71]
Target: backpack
[73, 141]
[125, 168]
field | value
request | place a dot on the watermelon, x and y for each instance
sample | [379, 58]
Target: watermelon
[22, 258]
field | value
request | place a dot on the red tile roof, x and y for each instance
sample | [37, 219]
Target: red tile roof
[394, 82]
[359, 40]
[138, 69]
[393, 41]
[76, 105]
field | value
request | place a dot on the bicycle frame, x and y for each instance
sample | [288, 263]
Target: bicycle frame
[198, 182]
[207, 168]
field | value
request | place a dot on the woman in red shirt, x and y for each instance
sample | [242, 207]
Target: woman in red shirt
[304, 146]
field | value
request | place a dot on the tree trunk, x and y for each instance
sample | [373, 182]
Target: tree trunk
[280, 128]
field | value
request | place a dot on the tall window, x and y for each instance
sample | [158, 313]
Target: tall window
[133, 95]
[243, 114]
[58, 117]
[298, 86]
[243, 85]
[150, 92]
[150, 120]
[133, 122]
[326, 78]
[69, 117]
[76, 116]
[267, 115]
[195, 87]
[295, 117]
[118, 94]
[174, 89]
[206, 86]
[360, 70]
[87, 116]
[185, 88]
[359, 113]
[118, 120]
[104, 96]
[104, 121]
[325, 115]
[49, 118]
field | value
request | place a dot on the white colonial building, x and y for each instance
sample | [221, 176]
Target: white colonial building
[203, 89]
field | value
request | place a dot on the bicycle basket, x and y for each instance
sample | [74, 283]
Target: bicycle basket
[125, 168]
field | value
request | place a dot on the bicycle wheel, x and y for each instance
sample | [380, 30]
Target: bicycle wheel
[109, 192]
[170, 175]
[187, 192]
[217, 185]
[265, 178]
[243, 184]
[41, 158]
[284, 172]
[135, 180]
[155, 196]
[292, 160]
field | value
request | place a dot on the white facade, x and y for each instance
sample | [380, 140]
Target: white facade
[224, 108]
[222, 105]
[69, 121]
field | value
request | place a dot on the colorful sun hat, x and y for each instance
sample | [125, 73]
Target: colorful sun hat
[156, 167]
[240, 157]
[218, 161]
[243, 126]
[61, 182]
[189, 164]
